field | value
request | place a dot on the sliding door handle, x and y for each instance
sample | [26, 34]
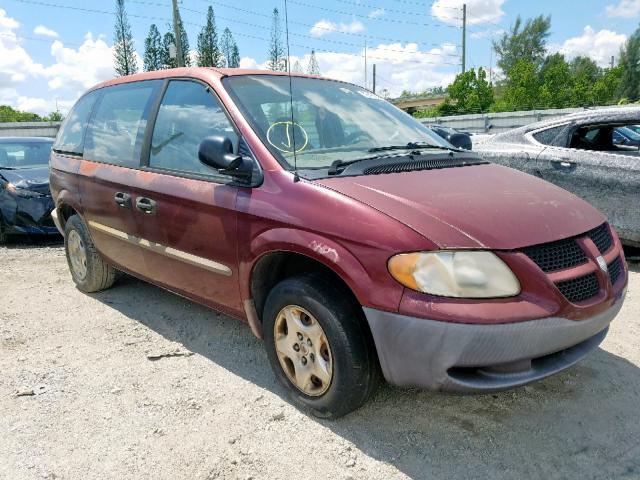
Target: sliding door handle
[146, 205]
[123, 200]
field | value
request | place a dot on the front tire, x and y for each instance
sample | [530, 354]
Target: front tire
[89, 271]
[318, 346]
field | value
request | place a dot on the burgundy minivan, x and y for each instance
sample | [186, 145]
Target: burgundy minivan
[350, 237]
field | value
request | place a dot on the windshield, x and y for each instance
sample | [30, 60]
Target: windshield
[25, 154]
[331, 120]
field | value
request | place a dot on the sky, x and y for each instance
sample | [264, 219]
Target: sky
[53, 50]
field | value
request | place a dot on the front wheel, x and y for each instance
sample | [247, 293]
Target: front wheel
[318, 347]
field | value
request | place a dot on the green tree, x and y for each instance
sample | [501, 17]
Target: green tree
[235, 57]
[208, 52]
[54, 117]
[9, 114]
[556, 83]
[124, 51]
[630, 63]
[586, 73]
[606, 88]
[526, 43]
[470, 92]
[168, 44]
[153, 50]
[229, 50]
[313, 68]
[277, 59]
[522, 91]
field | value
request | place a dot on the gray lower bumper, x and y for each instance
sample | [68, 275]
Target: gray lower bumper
[479, 358]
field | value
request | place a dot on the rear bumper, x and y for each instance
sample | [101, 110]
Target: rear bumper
[481, 358]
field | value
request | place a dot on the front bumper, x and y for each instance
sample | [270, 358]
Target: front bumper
[416, 352]
[19, 215]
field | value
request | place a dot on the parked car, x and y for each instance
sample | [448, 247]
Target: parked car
[626, 138]
[348, 235]
[454, 137]
[25, 200]
[579, 152]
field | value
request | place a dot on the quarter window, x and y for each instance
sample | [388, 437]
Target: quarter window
[71, 136]
[117, 129]
[546, 137]
[189, 113]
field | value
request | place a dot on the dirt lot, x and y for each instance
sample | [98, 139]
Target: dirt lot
[103, 409]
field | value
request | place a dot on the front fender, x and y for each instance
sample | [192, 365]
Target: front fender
[324, 250]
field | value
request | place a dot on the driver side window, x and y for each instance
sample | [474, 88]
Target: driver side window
[189, 112]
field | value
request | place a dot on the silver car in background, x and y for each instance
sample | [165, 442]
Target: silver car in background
[581, 153]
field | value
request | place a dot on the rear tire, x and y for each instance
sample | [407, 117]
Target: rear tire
[349, 351]
[88, 270]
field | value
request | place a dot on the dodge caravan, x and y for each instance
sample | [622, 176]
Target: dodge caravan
[357, 243]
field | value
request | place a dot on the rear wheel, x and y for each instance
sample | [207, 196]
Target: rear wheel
[318, 347]
[88, 270]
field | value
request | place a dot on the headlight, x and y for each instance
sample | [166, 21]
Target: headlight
[462, 274]
[20, 192]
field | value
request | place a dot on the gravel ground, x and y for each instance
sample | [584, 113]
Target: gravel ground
[103, 409]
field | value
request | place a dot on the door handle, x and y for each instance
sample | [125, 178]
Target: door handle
[123, 200]
[146, 205]
[563, 163]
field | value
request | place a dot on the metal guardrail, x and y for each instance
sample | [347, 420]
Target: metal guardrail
[29, 129]
[498, 122]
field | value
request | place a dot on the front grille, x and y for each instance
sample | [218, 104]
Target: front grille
[579, 289]
[615, 269]
[422, 165]
[556, 255]
[601, 236]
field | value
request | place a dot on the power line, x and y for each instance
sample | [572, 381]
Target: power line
[319, 27]
[242, 34]
[381, 19]
[327, 40]
[386, 9]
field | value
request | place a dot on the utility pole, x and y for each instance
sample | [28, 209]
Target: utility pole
[613, 61]
[464, 37]
[365, 64]
[176, 33]
[374, 78]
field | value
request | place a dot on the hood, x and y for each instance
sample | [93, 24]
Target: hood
[482, 206]
[33, 179]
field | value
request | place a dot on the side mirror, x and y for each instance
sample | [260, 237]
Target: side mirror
[217, 152]
[461, 140]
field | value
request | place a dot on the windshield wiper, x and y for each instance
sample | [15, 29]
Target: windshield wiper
[411, 146]
[338, 165]
[7, 168]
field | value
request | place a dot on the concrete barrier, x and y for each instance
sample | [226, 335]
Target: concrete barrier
[29, 129]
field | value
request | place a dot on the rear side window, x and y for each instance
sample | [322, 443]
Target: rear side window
[546, 137]
[117, 128]
[71, 136]
[189, 113]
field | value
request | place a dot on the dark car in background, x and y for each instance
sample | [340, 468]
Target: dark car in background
[454, 137]
[25, 199]
[626, 138]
